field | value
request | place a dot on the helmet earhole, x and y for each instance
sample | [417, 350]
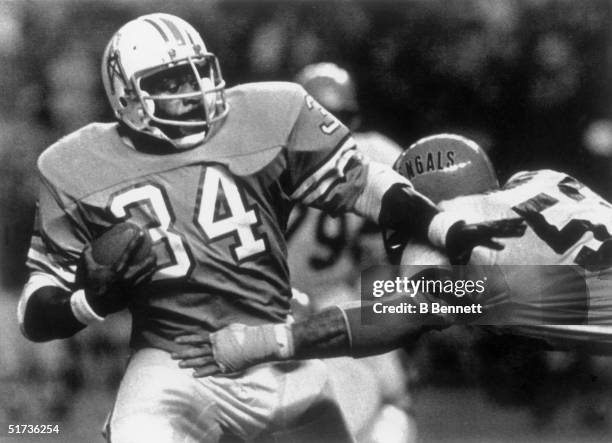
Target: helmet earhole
[123, 102]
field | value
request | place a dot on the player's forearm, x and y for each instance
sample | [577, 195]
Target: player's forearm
[338, 331]
[389, 331]
[324, 334]
[48, 314]
[390, 200]
[332, 332]
[404, 209]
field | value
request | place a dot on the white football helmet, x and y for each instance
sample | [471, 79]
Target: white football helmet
[147, 46]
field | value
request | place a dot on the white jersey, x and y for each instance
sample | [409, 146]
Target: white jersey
[568, 224]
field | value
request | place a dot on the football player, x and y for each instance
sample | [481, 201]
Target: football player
[326, 255]
[555, 278]
[211, 175]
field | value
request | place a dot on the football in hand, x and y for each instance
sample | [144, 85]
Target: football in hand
[107, 248]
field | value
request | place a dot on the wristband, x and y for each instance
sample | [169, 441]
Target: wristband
[439, 226]
[82, 310]
[284, 340]
[238, 346]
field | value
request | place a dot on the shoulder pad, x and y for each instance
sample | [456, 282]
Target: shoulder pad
[64, 162]
[541, 175]
[279, 99]
[261, 118]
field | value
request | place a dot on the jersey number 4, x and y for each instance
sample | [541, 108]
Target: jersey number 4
[220, 212]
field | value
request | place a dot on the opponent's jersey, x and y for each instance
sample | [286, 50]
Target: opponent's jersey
[569, 225]
[216, 214]
[326, 253]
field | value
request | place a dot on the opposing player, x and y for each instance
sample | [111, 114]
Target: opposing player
[326, 255]
[211, 175]
[558, 273]
[555, 279]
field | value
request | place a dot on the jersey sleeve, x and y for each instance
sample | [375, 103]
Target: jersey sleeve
[57, 240]
[328, 171]
[325, 168]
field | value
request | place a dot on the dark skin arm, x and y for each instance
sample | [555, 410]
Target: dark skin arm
[333, 332]
[322, 335]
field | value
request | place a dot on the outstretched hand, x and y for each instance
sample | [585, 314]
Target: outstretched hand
[462, 237]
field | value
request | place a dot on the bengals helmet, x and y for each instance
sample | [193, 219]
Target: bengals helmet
[445, 166]
[147, 46]
[333, 88]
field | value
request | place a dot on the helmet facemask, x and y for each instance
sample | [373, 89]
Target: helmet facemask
[182, 100]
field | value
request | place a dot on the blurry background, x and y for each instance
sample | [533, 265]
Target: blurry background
[528, 79]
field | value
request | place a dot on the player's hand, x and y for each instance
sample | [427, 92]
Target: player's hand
[197, 353]
[230, 349]
[462, 237]
[105, 285]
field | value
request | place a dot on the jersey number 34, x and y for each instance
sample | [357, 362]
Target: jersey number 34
[218, 194]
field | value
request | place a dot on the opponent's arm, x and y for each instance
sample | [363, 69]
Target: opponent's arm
[326, 170]
[382, 195]
[333, 332]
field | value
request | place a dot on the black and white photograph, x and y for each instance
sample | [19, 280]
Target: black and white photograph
[305, 221]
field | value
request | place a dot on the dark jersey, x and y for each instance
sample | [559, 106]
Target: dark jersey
[216, 214]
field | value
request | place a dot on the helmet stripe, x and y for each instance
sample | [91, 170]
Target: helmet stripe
[159, 29]
[175, 31]
[189, 37]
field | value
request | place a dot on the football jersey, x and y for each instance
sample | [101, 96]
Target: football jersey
[216, 214]
[568, 223]
[326, 253]
[560, 270]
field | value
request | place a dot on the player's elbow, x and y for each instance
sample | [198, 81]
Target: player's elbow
[36, 328]
[24, 318]
[46, 315]
[35, 334]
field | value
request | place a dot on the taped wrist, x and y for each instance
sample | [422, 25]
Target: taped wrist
[237, 346]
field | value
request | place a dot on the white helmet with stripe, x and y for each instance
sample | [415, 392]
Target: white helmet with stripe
[147, 46]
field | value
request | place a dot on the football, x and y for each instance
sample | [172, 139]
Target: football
[107, 248]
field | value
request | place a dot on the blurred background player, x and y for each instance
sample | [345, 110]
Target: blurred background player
[326, 257]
